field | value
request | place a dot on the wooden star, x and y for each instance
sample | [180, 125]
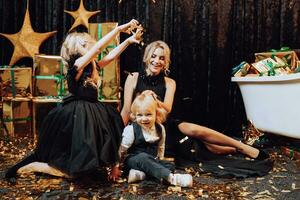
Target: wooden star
[81, 16]
[26, 42]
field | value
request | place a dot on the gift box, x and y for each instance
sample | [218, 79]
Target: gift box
[289, 57]
[17, 116]
[291, 152]
[16, 82]
[110, 75]
[271, 67]
[49, 77]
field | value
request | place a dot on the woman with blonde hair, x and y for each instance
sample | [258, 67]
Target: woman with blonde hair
[181, 135]
[81, 134]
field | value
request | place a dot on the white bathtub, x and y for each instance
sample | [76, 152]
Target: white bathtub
[272, 103]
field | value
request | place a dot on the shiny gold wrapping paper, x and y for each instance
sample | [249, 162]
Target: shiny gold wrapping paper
[290, 57]
[110, 74]
[49, 77]
[16, 82]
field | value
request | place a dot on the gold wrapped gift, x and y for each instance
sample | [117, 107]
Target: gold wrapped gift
[17, 116]
[16, 82]
[110, 74]
[49, 76]
[289, 57]
[271, 66]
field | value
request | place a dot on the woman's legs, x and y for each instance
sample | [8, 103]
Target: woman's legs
[216, 141]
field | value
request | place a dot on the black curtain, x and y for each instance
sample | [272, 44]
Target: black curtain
[207, 38]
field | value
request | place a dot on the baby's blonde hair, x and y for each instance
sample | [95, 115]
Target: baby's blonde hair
[150, 50]
[146, 100]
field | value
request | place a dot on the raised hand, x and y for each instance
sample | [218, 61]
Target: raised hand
[129, 27]
[136, 37]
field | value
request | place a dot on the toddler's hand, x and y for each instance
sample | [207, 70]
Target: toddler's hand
[114, 174]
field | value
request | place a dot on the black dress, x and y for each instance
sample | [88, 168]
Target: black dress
[79, 135]
[191, 152]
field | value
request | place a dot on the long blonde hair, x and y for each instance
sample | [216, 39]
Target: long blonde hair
[73, 44]
[146, 100]
[150, 50]
[78, 43]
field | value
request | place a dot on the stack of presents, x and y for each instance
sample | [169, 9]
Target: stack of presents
[29, 93]
[273, 63]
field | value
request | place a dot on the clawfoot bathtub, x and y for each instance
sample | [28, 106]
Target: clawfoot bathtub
[272, 103]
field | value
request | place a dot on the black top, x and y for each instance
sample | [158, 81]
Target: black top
[155, 83]
[78, 87]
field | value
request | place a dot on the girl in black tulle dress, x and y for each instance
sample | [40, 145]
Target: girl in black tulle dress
[82, 133]
[190, 143]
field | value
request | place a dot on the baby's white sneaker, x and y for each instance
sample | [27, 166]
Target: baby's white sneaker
[136, 175]
[182, 180]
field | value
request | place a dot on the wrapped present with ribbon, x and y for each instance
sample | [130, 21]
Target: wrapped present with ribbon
[49, 77]
[110, 75]
[17, 117]
[16, 82]
[288, 56]
[291, 152]
[271, 67]
[244, 69]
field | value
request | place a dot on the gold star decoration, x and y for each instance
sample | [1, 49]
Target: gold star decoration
[81, 16]
[26, 42]
[120, 1]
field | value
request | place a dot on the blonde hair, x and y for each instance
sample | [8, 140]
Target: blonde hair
[146, 100]
[78, 43]
[74, 43]
[150, 50]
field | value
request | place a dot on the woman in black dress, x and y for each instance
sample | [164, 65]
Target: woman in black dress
[181, 135]
[82, 133]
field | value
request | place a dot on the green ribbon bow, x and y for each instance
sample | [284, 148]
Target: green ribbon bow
[282, 49]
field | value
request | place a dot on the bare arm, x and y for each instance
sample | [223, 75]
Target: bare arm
[135, 38]
[161, 144]
[169, 96]
[167, 103]
[129, 88]
[102, 43]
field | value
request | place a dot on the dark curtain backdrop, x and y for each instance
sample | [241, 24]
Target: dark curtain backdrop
[207, 38]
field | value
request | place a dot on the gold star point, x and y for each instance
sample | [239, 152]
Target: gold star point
[81, 16]
[26, 42]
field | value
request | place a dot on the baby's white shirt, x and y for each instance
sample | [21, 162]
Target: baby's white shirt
[150, 136]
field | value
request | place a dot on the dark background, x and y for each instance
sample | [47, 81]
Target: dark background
[207, 38]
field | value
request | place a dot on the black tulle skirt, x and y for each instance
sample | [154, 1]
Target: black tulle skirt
[78, 136]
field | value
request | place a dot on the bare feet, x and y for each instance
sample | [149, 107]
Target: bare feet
[249, 151]
[41, 167]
